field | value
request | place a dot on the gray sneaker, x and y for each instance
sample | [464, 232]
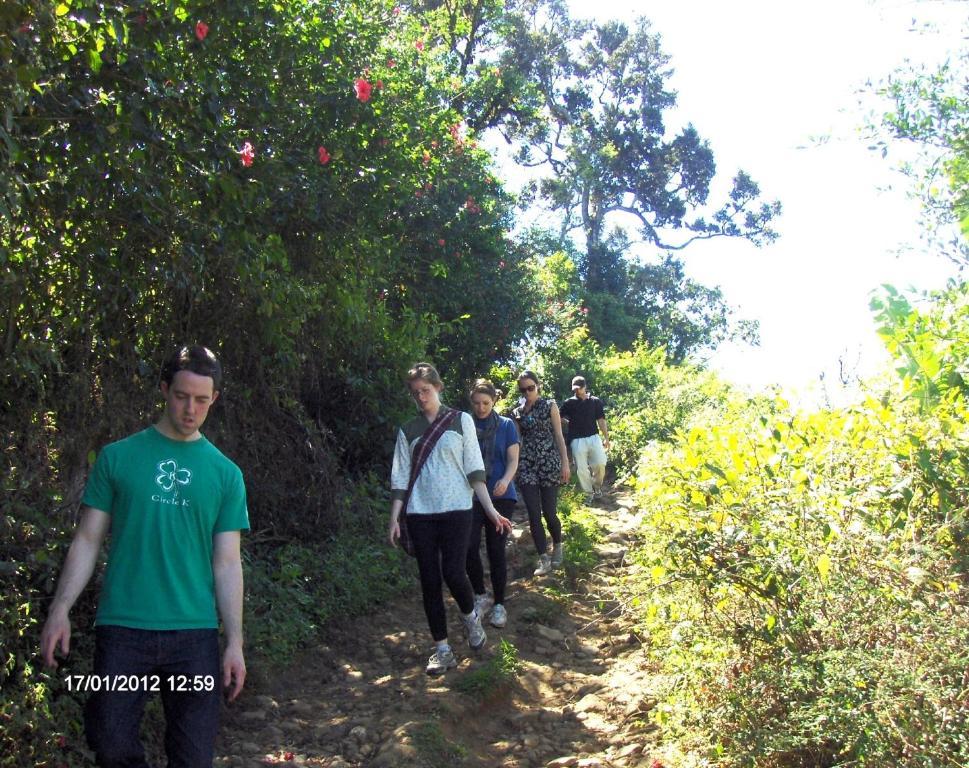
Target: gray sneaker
[441, 661]
[544, 566]
[557, 555]
[499, 616]
[474, 630]
[483, 603]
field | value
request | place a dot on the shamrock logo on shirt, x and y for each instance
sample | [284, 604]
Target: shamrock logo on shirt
[169, 475]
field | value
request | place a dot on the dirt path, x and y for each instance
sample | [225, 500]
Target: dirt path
[582, 697]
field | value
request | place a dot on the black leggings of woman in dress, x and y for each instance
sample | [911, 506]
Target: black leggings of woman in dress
[540, 501]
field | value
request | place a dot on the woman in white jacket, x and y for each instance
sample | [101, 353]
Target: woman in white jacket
[438, 514]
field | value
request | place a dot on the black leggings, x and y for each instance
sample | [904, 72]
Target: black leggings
[540, 501]
[494, 543]
[441, 546]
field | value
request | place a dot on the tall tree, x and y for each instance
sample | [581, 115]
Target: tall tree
[930, 111]
[606, 143]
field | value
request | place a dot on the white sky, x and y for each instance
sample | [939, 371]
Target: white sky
[762, 80]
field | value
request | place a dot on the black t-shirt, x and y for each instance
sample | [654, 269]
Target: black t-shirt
[582, 416]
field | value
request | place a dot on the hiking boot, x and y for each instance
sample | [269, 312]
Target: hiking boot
[474, 630]
[483, 603]
[544, 566]
[499, 616]
[557, 555]
[441, 661]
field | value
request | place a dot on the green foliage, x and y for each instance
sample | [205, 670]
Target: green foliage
[581, 533]
[293, 590]
[804, 569]
[494, 676]
[930, 110]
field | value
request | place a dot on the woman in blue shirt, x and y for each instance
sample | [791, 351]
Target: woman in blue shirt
[498, 439]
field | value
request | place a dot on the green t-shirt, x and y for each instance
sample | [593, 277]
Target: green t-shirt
[167, 499]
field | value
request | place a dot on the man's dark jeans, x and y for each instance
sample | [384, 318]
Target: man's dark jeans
[182, 666]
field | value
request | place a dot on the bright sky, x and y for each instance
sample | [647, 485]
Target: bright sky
[763, 80]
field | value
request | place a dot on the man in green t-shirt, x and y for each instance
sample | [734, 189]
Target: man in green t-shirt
[175, 507]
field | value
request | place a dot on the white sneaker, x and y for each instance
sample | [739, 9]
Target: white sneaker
[474, 630]
[544, 566]
[557, 555]
[441, 661]
[499, 616]
[483, 603]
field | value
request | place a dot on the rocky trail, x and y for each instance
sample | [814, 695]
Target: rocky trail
[362, 698]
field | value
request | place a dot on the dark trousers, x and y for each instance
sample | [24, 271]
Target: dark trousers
[495, 545]
[540, 501]
[441, 547]
[182, 666]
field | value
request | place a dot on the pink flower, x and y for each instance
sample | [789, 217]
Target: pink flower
[419, 45]
[428, 187]
[585, 310]
[247, 154]
[391, 63]
[501, 264]
[380, 85]
[61, 742]
[201, 30]
[323, 155]
[363, 89]
[418, 193]
[441, 241]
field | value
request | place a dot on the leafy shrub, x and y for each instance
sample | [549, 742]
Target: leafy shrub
[805, 573]
[495, 675]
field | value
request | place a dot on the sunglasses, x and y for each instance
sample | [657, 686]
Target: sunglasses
[527, 388]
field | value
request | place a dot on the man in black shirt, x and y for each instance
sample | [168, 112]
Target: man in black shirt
[586, 417]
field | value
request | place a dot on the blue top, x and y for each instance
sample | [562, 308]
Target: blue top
[507, 434]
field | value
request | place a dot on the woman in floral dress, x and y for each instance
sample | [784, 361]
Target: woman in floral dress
[543, 465]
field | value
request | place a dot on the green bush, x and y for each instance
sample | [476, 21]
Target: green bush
[804, 573]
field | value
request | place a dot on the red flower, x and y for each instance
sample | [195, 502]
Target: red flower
[363, 89]
[418, 193]
[657, 763]
[426, 158]
[323, 155]
[201, 30]
[61, 742]
[441, 241]
[288, 756]
[380, 85]
[247, 154]
[419, 45]
[428, 187]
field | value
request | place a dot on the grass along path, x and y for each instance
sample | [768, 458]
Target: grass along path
[563, 684]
